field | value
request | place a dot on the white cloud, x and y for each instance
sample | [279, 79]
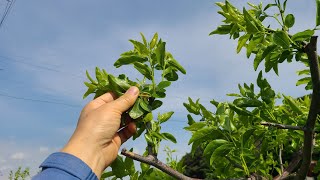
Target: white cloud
[25, 155]
[43, 149]
[18, 156]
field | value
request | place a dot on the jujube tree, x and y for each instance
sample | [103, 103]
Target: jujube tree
[254, 136]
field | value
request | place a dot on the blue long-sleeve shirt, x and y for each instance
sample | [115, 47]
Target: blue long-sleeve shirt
[64, 166]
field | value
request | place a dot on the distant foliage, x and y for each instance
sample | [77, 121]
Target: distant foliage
[19, 174]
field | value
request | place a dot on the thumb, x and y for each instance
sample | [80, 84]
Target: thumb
[124, 102]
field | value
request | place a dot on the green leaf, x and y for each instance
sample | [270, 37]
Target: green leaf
[318, 13]
[304, 72]
[250, 22]
[304, 80]
[148, 139]
[228, 125]
[124, 60]
[148, 117]
[221, 151]
[88, 92]
[293, 105]
[190, 120]
[223, 29]
[136, 110]
[91, 86]
[246, 102]
[143, 69]
[163, 84]
[171, 74]
[234, 95]
[289, 20]
[169, 137]
[129, 165]
[144, 104]
[239, 110]
[242, 41]
[284, 55]
[271, 61]
[246, 136]
[118, 167]
[141, 48]
[157, 135]
[118, 86]
[204, 134]
[156, 104]
[154, 41]
[268, 6]
[89, 77]
[304, 35]
[106, 175]
[214, 102]
[282, 39]
[195, 126]
[172, 62]
[165, 117]
[161, 53]
[144, 39]
[212, 146]
[285, 5]
[205, 113]
[257, 60]
[253, 43]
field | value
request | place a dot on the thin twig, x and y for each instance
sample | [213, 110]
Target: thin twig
[292, 165]
[311, 50]
[280, 158]
[282, 126]
[151, 160]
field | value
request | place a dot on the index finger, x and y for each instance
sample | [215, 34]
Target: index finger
[99, 101]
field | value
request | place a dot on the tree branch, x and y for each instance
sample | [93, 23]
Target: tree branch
[311, 50]
[151, 160]
[291, 167]
[282, 126]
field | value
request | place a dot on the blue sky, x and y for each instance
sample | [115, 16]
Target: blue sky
[46, 47]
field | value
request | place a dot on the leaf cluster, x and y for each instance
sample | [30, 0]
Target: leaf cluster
[154, 63]
[234, 142]
[274, 46]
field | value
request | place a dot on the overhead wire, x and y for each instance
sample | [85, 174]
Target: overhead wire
[38, 100]
[7, 10]
[6, 59]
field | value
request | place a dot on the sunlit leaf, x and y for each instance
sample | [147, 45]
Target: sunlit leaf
[124, 60]
[195, 126]
[282, 39]
[301, 36]
[318, 13]
[136, 110]
[154, 40]
[165, 116]
[160, 53]
[169, 137]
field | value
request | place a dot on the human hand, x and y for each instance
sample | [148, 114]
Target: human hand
[96, 140]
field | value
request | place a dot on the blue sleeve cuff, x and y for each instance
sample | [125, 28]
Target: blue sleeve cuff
[68, 164]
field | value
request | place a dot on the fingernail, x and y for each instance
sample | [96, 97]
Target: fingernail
[133, 90]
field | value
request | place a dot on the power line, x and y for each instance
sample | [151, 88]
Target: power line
[7, 10]
[12, 60]
[38, 100]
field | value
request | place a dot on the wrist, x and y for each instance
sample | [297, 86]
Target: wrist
[88, 153]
